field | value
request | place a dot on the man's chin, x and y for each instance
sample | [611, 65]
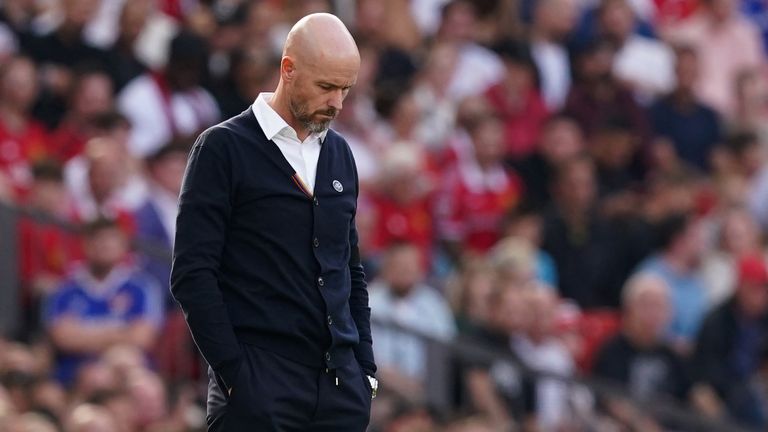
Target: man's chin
[319, 127]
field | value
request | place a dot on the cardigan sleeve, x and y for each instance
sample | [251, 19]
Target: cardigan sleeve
[201, 229]
[358, 299]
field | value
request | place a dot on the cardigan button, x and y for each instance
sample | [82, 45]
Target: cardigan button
[327, 356]
[330, 320]
[317, 203]
[316, 242]
[320, 281]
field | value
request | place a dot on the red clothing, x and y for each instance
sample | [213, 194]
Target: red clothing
[522, 123]
[44, 249]
[67, 142]
[394, 222]
[472, 203]
[19, 150]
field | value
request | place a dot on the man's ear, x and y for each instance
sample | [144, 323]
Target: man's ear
[287, 68]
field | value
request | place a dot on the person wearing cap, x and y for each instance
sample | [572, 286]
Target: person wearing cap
[731, 348]
[266, 262]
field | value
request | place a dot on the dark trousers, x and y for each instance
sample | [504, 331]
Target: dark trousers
[274, 394]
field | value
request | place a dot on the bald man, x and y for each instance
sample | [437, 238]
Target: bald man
[266, 263]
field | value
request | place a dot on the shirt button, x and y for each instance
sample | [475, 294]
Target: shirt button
[316, 242]
[320, 281]
[327, 356]
[330, 320]
[317, 203]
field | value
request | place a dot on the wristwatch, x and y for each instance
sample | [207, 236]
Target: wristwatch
[374, 386]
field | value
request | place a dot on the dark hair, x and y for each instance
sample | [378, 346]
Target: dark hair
[178, 146]
[187, 47]
[98, 225]
[47, 170]
[670, 228]
[740, 142]
[109, 120]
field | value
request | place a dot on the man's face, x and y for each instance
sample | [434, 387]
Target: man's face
[317, 89]
[106, 248]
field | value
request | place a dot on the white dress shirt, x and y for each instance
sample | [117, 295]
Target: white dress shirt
[302, 155]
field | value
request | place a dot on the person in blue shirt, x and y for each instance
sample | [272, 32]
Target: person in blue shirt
[101, 303]
[681, 240]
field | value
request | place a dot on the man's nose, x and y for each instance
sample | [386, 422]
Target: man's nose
[337, 99]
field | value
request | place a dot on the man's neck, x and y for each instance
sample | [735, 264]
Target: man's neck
[280, 104]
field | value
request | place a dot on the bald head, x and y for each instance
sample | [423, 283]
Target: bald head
[318, 38]
[319, 66]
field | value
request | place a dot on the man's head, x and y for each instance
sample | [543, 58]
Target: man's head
[187, 59]
[319, 66]
[105, 245]
[617, 19]
[647, 309]
[555, 19]
[18, 85]
[166, 166]
[561, 139]
[48, 192]
[402, 268]
[91, 93]
[752, 286]
[682, 238]
[686, 68]
[575, 184]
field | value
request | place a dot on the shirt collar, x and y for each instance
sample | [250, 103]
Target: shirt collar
[272, 123]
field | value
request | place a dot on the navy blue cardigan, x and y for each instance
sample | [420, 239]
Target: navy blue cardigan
[259, 260]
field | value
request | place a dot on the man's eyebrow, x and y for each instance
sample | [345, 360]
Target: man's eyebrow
[325, 83]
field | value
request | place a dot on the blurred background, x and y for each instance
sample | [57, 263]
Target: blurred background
[562, 213]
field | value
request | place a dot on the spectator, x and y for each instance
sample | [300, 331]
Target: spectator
[32, 422]
[400, 296]
[90, 418]
[101, 304]
[539, 349]
[476, 67]
[693, 128]
[748, 165]
[751, 104]
[401, 202]
[22, 139]
[250, 72]
[58, 51]
[726, 43]
[639, 357]
[579, 240]
[731, 346]
[169, 104]
[645, 64]
[477, 192]
[553, 20]
[469, 292]
[527, 224]
[738, 236]
[676, 261]
[614, 146]
[496, 386]
[156, 218]
[112, 190]
[597, 95]
[517, 100]
[560, 140]
[45, 250]
[90, 96]
[124, 64]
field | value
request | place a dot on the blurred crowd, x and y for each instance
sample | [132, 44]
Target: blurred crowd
[580, 185]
